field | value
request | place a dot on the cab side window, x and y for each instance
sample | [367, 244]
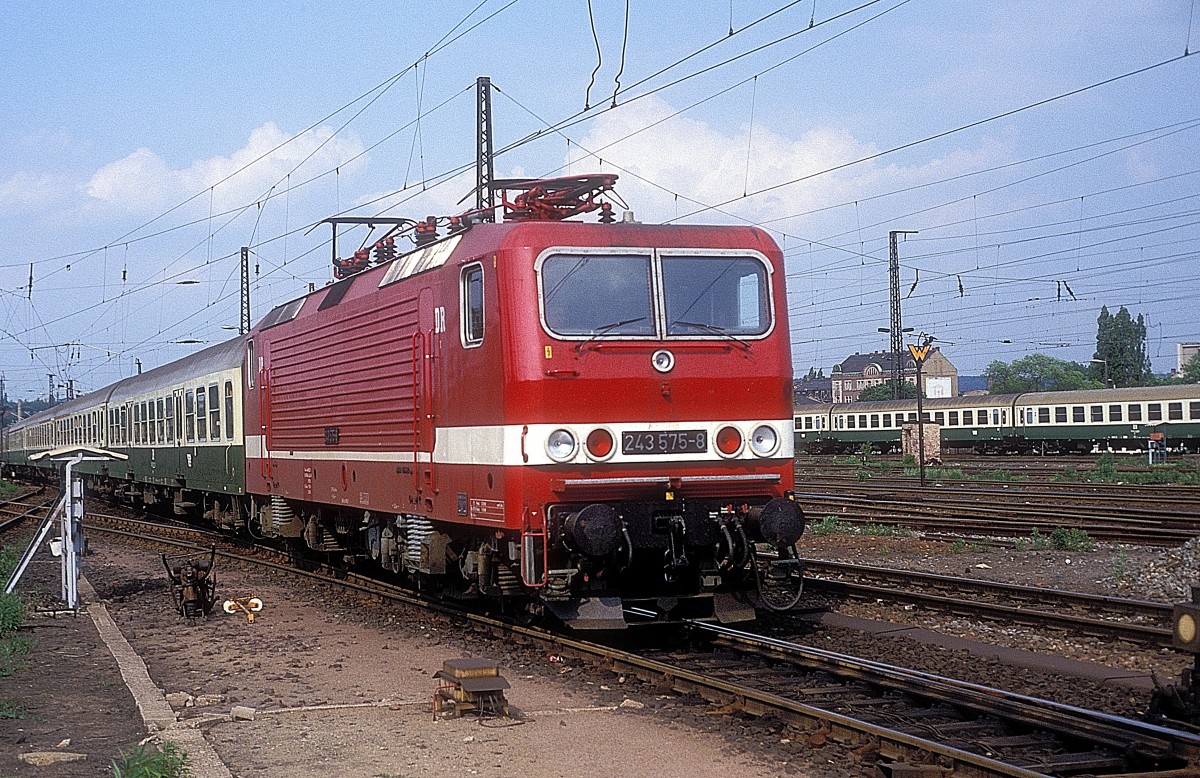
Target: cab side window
[471, 314]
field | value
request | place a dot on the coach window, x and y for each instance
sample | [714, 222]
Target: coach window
[214, 412]
[471, 313]
[1114, 413]
[201, 416]
[862, 421]
[874, 421]
[887, 420]
[250, 368]
[1077, 414]
[1097, 413]
[1043, 415]
[1175, 411]
[1194, 410]
[162, 433]
[169, 418]
[939, 417]
[137, 424]
[125, 426]
[1135, 412]
[1060, 414]
[189, 416]
[850, 422]
[1154, 411]
[151, 423]
[229, 410]
[953, 419]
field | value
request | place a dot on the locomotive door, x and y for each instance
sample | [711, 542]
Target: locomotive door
[426, 351]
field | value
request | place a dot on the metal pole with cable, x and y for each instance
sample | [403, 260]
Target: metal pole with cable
[897, 328]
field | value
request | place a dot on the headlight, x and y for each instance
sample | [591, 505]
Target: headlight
[662, 360]
[560, 445]
[764, 440]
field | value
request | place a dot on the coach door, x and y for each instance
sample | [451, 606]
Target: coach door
[427, 352]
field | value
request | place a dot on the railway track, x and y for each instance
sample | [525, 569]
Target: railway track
[1008, 511]
[15, 510]
[911, 722]
[1076, 613]
[1029, 469]
[911, 718]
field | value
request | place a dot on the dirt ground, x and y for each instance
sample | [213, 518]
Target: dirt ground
[68, 688]
[307, 651]
[375, 665]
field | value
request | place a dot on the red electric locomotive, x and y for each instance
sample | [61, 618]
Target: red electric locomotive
[590, 418]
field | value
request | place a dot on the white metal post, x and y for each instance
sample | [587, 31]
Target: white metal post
[72, 534]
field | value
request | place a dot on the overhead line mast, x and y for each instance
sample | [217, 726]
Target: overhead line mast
[485, 198]
[896, 327]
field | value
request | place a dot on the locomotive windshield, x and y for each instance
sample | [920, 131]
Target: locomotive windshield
[698, 296]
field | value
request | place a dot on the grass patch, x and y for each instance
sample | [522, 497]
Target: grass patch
[13, 649]
[974, 546]
[9, 710]
[830, 525]
[1059, 539]
[886, 530]
[166, 761]
[999, 475]
[937, 473]
[1131, 470]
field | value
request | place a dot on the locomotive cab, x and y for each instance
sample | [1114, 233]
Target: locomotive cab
[651, 378]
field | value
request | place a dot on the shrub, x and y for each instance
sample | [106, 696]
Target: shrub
[150, 762]
[1071, 539]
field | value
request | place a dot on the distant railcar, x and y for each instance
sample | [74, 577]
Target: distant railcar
[1033, 422]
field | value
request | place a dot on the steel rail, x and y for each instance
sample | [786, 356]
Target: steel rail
[1121, 734]
[21, 515]
[1038, 617]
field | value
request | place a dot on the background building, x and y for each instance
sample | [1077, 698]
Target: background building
[1186, 351]
[860, 371]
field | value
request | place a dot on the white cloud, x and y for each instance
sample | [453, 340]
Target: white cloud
[695, 159]
[145, 182]
[27, 191]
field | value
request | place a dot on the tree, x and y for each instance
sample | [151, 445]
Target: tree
[1191, 370]
[1120, 349]
[1038, 373]
[886, 391]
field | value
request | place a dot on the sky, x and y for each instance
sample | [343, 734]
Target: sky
[1042, 154]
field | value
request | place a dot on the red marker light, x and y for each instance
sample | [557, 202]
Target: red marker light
[599, 443]
[729, 441]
